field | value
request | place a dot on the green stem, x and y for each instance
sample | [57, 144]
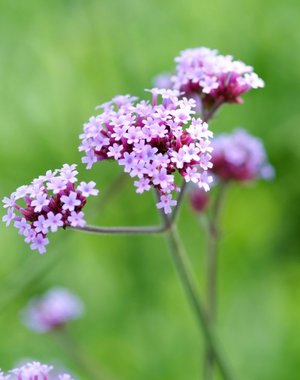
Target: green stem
[212, 275]
[189, 284]
[179, 201]
[138, 230]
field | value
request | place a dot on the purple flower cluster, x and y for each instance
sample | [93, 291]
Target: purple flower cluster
[49, 202]
[151, 141]
[240, 156]
[52, 310]
[216, 78]
[33, 371]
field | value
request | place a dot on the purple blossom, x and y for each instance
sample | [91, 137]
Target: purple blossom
[213, 78]
[39, 202]
[70, 201]
[240, 156]
[22, 226]
[88, 189]
[40, 225]
[49, 202]
[21, 192]
[9, 201]
[69, 172]
[33, 371]
[39, 242]
[54, 221]
[143, 184]
[52, 310]
[9, 217]
[150, 140]
[76, 219]
[166, 202]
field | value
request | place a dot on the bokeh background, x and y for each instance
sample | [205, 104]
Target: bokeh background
[61, 58]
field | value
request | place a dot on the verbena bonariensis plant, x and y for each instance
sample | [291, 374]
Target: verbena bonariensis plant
[156, 142]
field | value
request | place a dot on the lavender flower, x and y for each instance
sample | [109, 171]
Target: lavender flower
[240, 156]
[151, 141]
[48, 203]
[216, 78]
[33, 371]
[52, 310]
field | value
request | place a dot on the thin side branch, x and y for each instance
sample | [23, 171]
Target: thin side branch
[143, 230]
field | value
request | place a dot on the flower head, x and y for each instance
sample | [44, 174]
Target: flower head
[52, 310]
[240, 156]
[47, 204]
[215, 78]
[33, 371]
[151, 141]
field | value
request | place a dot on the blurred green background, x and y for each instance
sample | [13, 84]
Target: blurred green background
[61, 58]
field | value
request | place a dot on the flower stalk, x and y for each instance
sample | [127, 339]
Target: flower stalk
[212, 274]
[189, 284]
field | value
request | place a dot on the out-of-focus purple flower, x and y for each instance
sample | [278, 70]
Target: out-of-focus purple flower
[151, 141]
[216, 78]
[199, 200]
[49, 202]
[52, 310]
[163, 80]
[240, 156]
[33, 371]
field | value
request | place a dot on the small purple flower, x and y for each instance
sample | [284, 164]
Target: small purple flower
[9, 202]
[21, 192]
[39, 202]
[88, 189]
[52, 310]
[166, 202]
[69, 172]
[76, 219]
[9, 217]
[57, 184]
[39, 242]
[143, 184]
[22, 226]
[40, 225]
[54, 221]
[70, 201]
